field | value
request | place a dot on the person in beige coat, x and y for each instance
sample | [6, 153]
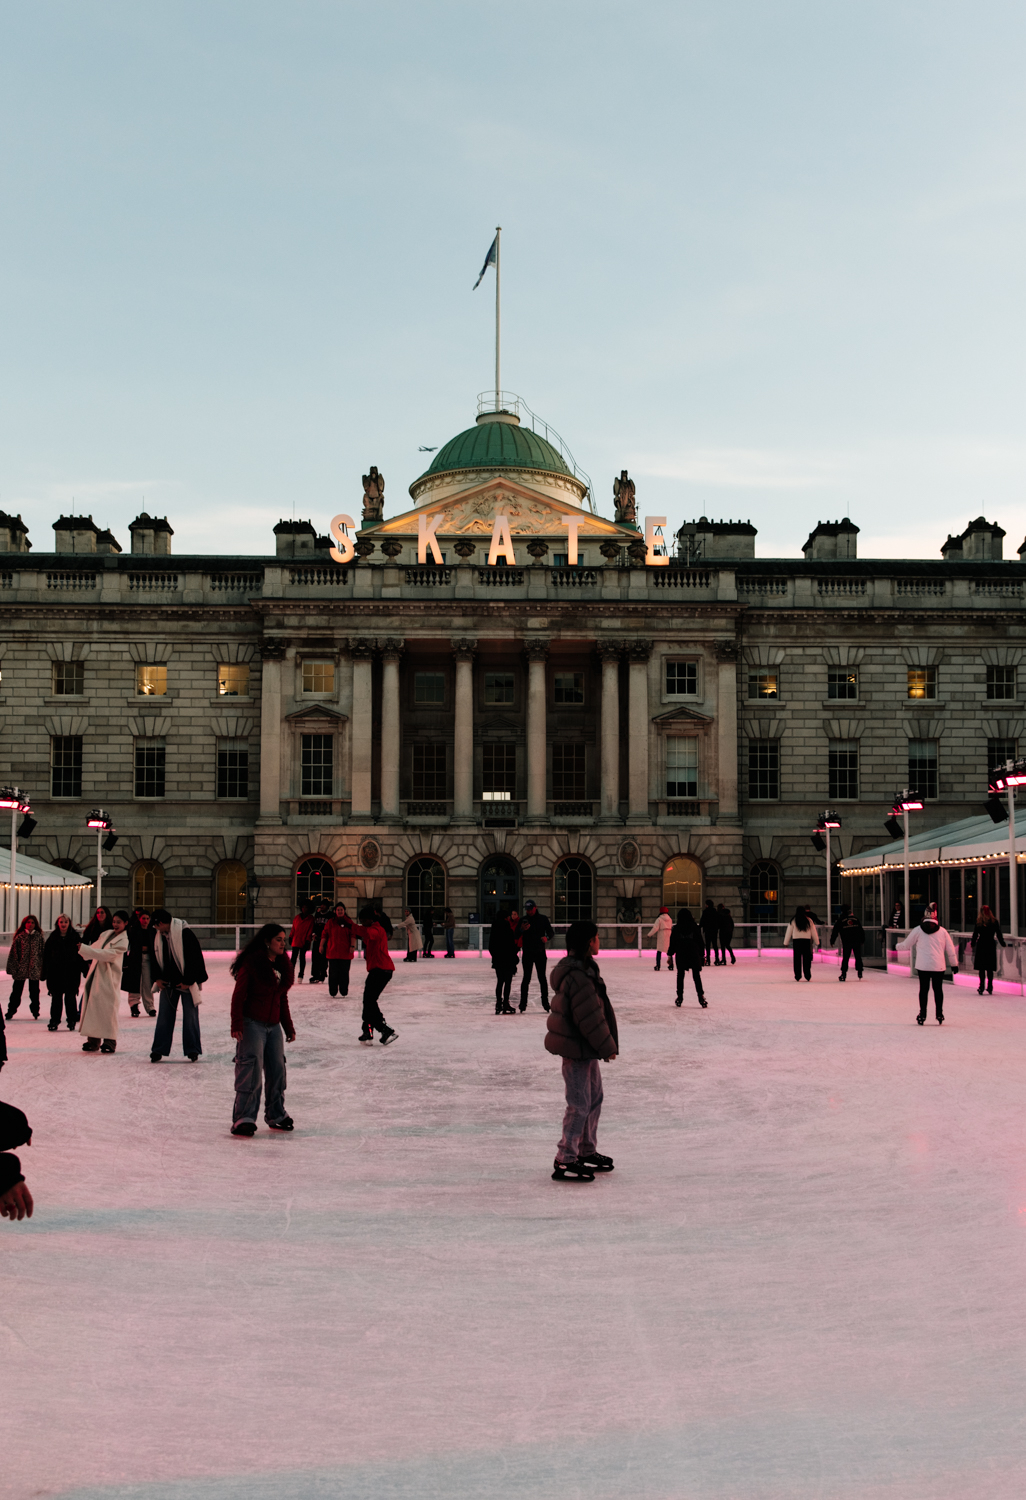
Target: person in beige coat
[413, 942]
[660, 930]
[99, 1022]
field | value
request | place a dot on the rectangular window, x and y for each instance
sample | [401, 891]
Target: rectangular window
[498, 688]
[763, 770]
[1000, 682]
[429, 768]
[318, 678]
[999, 751]
[569, 687]
[681, 768]
[233, 680]
[681, 679]
[763, 683]
[150, 682]
[429, 687]
[560, 559]
[922, 682]
[499, 772]
[843, 770]
[922, 767]
[66, 766]
[149, 768]
[68, 679]
[316, 765]
[233, 768]
[567, 772]
[842, 682]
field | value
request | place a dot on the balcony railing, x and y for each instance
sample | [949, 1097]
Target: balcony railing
[425, 578]
[236, 583]
[319, 577]
[763, 585]
[573, 578]
[74, 581]
[559, 810]
[153, 583]
[501, 578]
[680, 578]
[919, 588]
[841, 588]
[435, 809]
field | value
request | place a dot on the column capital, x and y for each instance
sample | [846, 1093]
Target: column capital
[273, 650]
[392, 647]
[608, 650]
[726, 651]
[536, 650]
[638, 650]
[360, 648]
[463, 649]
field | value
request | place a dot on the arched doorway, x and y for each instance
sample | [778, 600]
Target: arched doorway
[230, 896]
[682, 885]
[573, 891]
[315, 880]
[764, 895]
[148, 884]
[499, 888]
[425, 887]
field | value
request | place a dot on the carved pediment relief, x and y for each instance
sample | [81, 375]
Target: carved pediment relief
[681, 718]
[312, 711]
[473, 511]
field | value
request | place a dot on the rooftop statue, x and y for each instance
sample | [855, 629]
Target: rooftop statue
[373, 496]
[623, 494]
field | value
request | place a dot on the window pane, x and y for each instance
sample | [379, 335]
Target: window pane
[230, 893]
[429, 771]
[567, 772]
[763, 770]
[681, 768]
[763, 683]
[573, 888]
[842, 682]
[319, 677]
[66, 766]
[233, 768]
[843, 772]
[681, 678]
[569, 687]
[499, 772]
[316, 770]
[425, 888]
[148, 885]
[999, 751]
[498, 688]
[922, 682]
[233, 680]
[1000, 682]
[763, 892]
[922, 767]
[315, 879]
[429, 687]
[151, 682]
[682, 885]
[149, 768]
[68, 678]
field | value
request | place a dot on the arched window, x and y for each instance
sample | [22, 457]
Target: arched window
[425, 887]
[148, 884]
[764, 899]
[573, 891]
[230, 893]
[499, 888]
[315, 880]
[682, 885]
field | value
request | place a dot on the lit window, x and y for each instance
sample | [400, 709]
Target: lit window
[499, 772]
[1000, 682]
[498, 688]
[842, 682]
[763, 770]
[922, 767]
[429, 687]
[569, 687]
[843, 770]
[68, 679]
[682, 768]
[319, 678]
[681, 679]
[763, 683]
[233, 680]
[150, 682]
[149, 768]
[922, 682]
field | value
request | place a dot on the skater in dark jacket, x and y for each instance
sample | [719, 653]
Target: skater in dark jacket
[137, 969]
[853, 939]
[986, 936]
[100, 921]
[502, 945]
[449, 927]
[260, 1014]
[709, 922]
[62, 973]
[687, 948]
[581, 1029]
[318, 958]
[178, 963]
[25, 962]
[726, 934]
[380, 968]
[534, 933]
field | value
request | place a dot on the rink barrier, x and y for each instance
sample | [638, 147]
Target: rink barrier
[1011, 965]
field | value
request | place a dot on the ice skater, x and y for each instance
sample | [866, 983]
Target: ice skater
[318, 958]
[25, 963]
[337, 946]
[15, 1198]
[449, 926]
[429, 935]
[853, 938]
[535, 933]
[933, 952]
[802, 934]
[299, 938]
[412, 936]
[178, 962]
[102, 997]
[686, 948]
[260, 1015]
[137, 969]
[62, 973]
[502, 945]
[986, 936]
[709, 922]
[660, 930]
[725, 933]
[581, 1029]
[380, 968]
[99, 922]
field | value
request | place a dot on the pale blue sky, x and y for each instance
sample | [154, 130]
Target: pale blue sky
[768, 256]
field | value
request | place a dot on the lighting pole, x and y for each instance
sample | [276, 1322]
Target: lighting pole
[905, 802]
[13, 797]
[827, 821]
[1006, 780]
[99, 820]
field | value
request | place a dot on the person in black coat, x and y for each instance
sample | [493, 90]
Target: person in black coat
[15, 1198]
[534, 932]
[137, 966]
[853, 938]
[709, 922]
[428, 924]
[687, 947]
[986, 936]
[62, 973]
[502, 945]
[726, 934]
[178, 963]
[99, 922]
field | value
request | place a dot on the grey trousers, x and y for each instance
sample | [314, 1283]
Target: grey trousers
[583, 1105]
[259, 1055]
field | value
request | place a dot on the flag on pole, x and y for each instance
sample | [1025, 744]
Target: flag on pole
[489, 261]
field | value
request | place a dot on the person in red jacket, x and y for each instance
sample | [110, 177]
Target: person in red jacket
[380, 968]
[299, 937]
[337, 948]
[260, 1012]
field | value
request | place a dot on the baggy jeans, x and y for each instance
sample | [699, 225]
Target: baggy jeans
[64, 998]
[164, 1031]
[539, 962]
[338, 976]
[450, 942]
[927, 977]
[260, 1054]
[376, 981]
[583, 1105]
[145, 990]
[848, 952]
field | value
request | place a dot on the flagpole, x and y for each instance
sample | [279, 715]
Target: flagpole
[498, 236]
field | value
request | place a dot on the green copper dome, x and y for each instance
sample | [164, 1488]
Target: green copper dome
[497, 445]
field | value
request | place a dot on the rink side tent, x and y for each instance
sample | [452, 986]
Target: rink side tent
[44, 890]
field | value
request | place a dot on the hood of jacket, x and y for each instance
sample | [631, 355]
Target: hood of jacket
[571, 961]
[929, 926]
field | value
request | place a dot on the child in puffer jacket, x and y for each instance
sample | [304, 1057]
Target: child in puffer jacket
[581, 1029]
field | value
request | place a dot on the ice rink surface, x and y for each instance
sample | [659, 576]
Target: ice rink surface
[805, 1278]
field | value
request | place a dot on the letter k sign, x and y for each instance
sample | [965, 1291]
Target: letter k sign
[426, 538]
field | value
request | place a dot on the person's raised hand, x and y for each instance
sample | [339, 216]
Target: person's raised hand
[16, 1203]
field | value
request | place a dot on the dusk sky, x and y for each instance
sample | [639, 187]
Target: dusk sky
[768, 257]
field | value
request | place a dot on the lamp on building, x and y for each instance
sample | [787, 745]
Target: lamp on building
[1005, 779]
[253, 889]
[99, 820]
[14, 801]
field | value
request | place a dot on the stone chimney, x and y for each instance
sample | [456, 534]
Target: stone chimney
[151, 536]
[715, 541]
[107, 542]
[981, 541]
[13, 534]
[295, 539]
[952, 549]
[75, 534]
[832, 541]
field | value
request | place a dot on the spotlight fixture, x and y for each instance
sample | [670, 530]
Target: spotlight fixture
[893, 827]
[28, 823]
[997, 810]
[818, 841]
[110, 841]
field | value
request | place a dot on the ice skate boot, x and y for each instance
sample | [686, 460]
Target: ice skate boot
[92, 1045]
[387, 1036]
[366, 1035]
[577, 1170]
[109, 1047]
[285, 1123]
[598, 1161]
[244, 1127]
[134, 1011]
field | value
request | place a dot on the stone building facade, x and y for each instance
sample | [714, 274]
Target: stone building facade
[427, 724]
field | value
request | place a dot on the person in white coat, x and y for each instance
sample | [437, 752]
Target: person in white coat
[660, 930]
[99, 1020]
[933, 952]
[413, 943]
[803, 935]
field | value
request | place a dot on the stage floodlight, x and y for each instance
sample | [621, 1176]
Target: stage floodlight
[997, 810]
[28, 823]
[818, 842]
[110, 841]
[894, 828]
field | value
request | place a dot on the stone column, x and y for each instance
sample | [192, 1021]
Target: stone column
[391, 651]
[272, 654]
[609, 808]
[726, 729]
[638, 653]
[537, 655]
[362, 736]
[463, 734]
